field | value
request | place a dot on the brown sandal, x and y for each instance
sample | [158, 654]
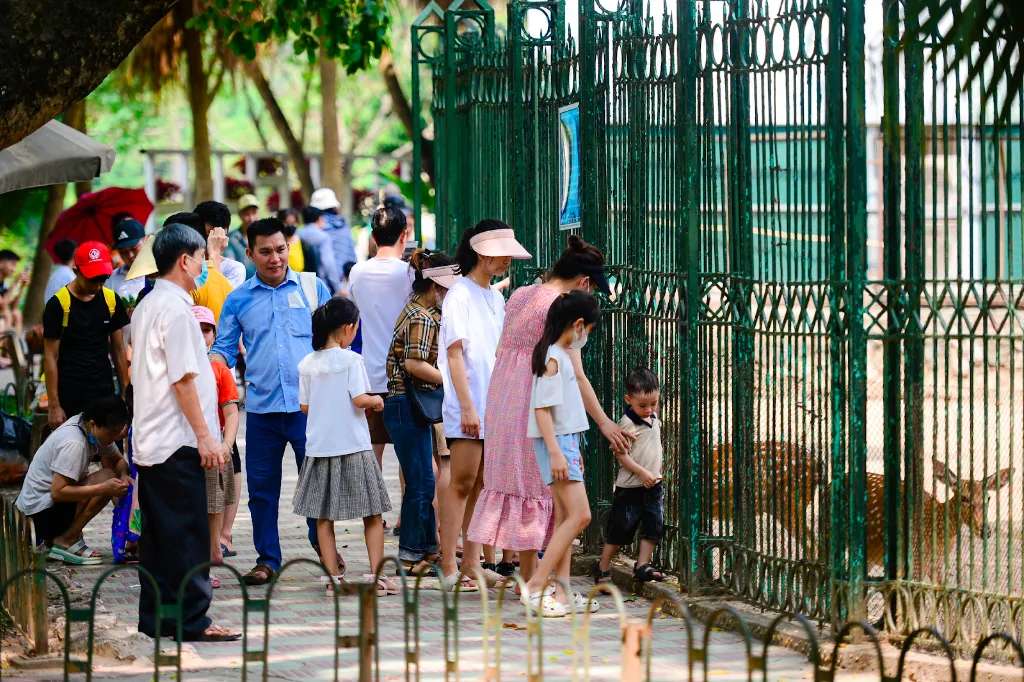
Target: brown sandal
[260, 575]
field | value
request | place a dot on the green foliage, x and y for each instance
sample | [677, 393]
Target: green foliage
[987, 36]
[21, 214]
[351, 31]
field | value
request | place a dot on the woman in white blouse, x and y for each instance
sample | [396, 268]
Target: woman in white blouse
[471, 320]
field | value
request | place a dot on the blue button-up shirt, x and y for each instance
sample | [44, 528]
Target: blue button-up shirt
[276, 326]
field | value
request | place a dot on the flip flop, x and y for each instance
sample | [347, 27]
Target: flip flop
[216, 633]
[448, 583]
[75, 555]
[227, 553]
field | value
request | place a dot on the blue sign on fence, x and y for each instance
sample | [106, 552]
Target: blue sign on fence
[569, 167]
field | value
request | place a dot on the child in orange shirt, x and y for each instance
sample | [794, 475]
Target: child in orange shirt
[220, 483]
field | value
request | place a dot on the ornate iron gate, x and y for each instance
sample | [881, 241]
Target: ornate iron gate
[777, 264]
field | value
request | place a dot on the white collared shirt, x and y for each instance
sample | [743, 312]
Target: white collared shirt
[167, 347]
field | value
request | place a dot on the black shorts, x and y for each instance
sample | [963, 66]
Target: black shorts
[635, 508]
[236, 459]
[53, 522]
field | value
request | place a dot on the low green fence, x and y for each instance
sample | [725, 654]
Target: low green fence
[21, 573]
[355, 607]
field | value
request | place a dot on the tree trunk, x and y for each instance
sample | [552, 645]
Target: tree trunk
[199, 103]
[330, 165]
[75, 117]
[291, 143]
[56, 52]
[403, 109]
[345, 182]
[41, 264]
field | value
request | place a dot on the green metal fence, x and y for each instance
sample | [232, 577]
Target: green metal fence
[835, 305]
[357, 636]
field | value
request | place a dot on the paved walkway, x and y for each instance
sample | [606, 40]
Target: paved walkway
[300, 642]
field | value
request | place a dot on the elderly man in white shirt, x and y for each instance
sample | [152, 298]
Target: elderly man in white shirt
[175, 435]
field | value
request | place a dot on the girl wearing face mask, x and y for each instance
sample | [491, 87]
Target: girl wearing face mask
[558, 420]
[412, 373]
[471, 321]
[514, 510]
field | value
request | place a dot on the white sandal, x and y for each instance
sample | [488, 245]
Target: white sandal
[547, 605]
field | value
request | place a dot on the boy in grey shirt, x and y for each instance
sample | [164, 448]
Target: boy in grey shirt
[60, 495]
[639, 498]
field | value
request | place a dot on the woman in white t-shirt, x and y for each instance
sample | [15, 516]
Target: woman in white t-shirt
[340, 479]
[471, 320]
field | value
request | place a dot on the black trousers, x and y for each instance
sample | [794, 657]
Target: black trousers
[175, 538]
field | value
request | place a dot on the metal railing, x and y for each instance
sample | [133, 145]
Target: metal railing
[356, 626]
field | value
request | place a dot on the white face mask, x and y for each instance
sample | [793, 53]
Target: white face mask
[579, 339]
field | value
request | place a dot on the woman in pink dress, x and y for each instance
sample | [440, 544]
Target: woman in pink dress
[514, 509]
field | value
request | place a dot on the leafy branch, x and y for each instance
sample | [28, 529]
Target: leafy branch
[352, 31]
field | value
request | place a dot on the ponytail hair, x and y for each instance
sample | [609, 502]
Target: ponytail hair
[566, 309]
[579, 258]
[330, 317]
[424, 259]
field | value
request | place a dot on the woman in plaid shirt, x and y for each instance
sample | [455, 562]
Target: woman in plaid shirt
[413, 358]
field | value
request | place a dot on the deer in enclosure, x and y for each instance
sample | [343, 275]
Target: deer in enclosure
[939, 522]
[786, 476]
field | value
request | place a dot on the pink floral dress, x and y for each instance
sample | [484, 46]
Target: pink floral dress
[514, 510]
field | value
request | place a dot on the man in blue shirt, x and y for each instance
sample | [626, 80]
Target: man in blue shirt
[272, 315]
[337, 227]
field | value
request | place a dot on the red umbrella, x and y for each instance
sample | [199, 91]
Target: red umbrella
[89, 219]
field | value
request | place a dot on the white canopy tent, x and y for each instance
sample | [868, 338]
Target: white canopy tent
[53, 155]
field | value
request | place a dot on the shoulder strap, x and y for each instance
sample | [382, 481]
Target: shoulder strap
[307, 282]
[63, 297]
[111, 299]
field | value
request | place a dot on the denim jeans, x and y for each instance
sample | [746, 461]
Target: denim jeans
[266, 436]
[414, 446]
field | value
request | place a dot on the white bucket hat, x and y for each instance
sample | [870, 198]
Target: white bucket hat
[323, 199]
[498, 243]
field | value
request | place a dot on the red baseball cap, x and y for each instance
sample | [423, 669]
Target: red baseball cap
[92, 259]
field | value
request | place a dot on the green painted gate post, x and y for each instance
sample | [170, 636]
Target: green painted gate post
[429, 22]
[892, 358]
[841, 568]
[913, 349]
[741, 268]
[856, 215]
[688, 267]
[520, 184]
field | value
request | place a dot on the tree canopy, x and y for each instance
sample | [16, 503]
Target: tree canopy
[352, 31]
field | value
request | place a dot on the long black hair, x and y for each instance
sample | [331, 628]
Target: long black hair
[566, 309]
[423, 259]
[336, 313]
[465, 256]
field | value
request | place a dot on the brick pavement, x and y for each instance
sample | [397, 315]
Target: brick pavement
[302, 619]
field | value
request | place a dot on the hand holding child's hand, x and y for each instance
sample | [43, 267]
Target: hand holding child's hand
[559, 467]
[649, 480]
[619, 439]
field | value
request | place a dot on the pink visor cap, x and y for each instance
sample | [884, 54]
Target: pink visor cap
[444, 276]
[499, 243]
[203, 315]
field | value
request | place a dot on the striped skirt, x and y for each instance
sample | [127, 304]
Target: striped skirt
[341, 488]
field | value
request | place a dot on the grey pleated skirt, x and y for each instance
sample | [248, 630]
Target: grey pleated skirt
[341, 488]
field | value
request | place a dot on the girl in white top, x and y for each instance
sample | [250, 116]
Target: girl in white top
[557, 421]
[340, 478]
[471, 320]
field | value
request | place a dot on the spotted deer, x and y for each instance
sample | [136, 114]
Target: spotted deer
[786, 476]
[939, 522]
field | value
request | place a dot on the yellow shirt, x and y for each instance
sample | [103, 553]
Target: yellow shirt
[213, 293]
[296, 261]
